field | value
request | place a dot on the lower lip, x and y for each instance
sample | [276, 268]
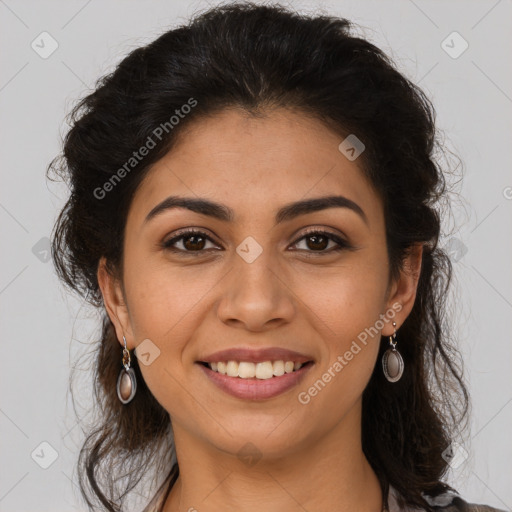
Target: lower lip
[256, 389]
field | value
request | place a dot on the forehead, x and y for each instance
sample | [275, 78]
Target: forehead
[255, 164]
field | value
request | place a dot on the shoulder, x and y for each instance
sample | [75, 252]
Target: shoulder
[474, 507]
[449, 501]
[452, 502]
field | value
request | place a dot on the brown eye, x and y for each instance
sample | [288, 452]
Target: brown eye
[318, 241]
[194, 242]
[191, 241]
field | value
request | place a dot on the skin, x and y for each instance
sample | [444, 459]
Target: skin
[193, 306]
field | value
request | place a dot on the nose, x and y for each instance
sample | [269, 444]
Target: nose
[256, 296]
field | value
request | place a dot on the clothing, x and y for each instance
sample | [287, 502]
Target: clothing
[446, 502]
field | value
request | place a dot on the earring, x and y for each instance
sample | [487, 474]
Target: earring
[126, 382]
[392, 362]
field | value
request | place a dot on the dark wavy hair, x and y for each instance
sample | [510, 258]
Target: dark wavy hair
[256, 58]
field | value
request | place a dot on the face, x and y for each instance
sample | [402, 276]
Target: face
[310, 281]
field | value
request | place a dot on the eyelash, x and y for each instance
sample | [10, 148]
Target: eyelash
[342, 244]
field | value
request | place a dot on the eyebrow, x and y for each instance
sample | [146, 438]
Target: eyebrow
[226, 214]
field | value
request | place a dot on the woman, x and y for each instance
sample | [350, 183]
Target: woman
[255, 209]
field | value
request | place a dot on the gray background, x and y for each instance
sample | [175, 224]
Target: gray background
[44, 329]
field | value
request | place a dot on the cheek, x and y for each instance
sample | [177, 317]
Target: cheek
[345, 302]
[164, 300]
[166, 306]
[345, 309]
[345, 317]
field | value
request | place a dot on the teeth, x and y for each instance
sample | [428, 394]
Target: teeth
[246, 370]
[264, 370]
[278, 368]
[232, 369]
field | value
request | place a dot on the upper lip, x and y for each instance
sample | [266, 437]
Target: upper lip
[256, 355]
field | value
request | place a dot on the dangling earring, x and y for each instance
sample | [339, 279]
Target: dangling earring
[392, 362]
[126, 382]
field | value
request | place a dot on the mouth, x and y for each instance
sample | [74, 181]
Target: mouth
[248, 370]
[262, 380]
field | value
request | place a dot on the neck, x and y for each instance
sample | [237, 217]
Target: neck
[330, 473]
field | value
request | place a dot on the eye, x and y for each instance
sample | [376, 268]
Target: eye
[191, 240]
[195, 241]
[318, 240]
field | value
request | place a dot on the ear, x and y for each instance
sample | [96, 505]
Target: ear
[115, 303]
[403, 290]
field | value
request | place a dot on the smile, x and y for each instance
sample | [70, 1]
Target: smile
[248, 370]
[255, 381]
